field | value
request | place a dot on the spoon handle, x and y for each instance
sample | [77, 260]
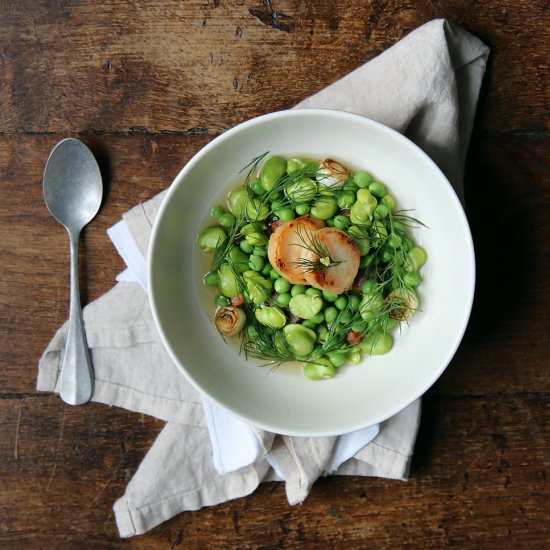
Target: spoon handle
[77, 381]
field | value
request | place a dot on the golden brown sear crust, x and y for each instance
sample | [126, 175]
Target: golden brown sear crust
[343, 250]
[286, 247]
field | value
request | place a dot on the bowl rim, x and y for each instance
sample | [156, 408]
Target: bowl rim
[297, 112]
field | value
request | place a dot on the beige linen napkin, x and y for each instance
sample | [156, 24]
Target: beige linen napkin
[425, 86]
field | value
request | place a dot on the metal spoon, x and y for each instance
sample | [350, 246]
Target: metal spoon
[73, 190]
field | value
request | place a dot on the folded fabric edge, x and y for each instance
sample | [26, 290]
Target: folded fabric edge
[136, 521]
[107, 393]
[127, 248]
[375, 460]
[225, 430]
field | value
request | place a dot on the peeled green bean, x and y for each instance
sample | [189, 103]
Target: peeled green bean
[272, 170]
[210, 238]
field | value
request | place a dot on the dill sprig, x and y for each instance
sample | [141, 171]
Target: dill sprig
[278, 192]
[252, 167]
[405, 219]
[221, 252]
[264, 343]
[311, 243]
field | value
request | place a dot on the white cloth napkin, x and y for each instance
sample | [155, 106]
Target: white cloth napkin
[235, 444]
[425, 86]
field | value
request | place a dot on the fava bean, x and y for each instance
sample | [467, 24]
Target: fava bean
[361, 212]
[354, 357]
[300, 339]
[277, 204]
[272, 170]
[210, 238]
[256, 239]
[388, 323]
[380, 229]
[416, 257]
[257, 287]
[237, 201]
[406, 244]
[227, 283]
[302, 190]
[255, 210]
[252, 228]
[386, 254]
[336, 358]
[238, 259]
[370, 306]
[389, 201]
[293, 165]
[319, 369]
[322, 333]
[305, 306]
[324, 208]
[394, 241]
[377, 344]
[270, 316]
[368, 261]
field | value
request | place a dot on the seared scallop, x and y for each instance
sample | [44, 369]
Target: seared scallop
[336, 267]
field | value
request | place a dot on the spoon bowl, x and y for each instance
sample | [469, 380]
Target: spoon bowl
[73, 191]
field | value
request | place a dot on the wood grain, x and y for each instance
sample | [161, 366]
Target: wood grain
[477, 481]
[146, 85]
[205, 66]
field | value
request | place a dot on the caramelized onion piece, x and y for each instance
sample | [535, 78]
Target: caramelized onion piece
[230, 320]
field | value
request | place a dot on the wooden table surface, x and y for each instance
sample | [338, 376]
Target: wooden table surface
[146, 85]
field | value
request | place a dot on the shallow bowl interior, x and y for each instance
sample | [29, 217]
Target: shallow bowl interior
[282, 400]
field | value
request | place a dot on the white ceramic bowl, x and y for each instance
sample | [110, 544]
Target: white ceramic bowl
[283, 400]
